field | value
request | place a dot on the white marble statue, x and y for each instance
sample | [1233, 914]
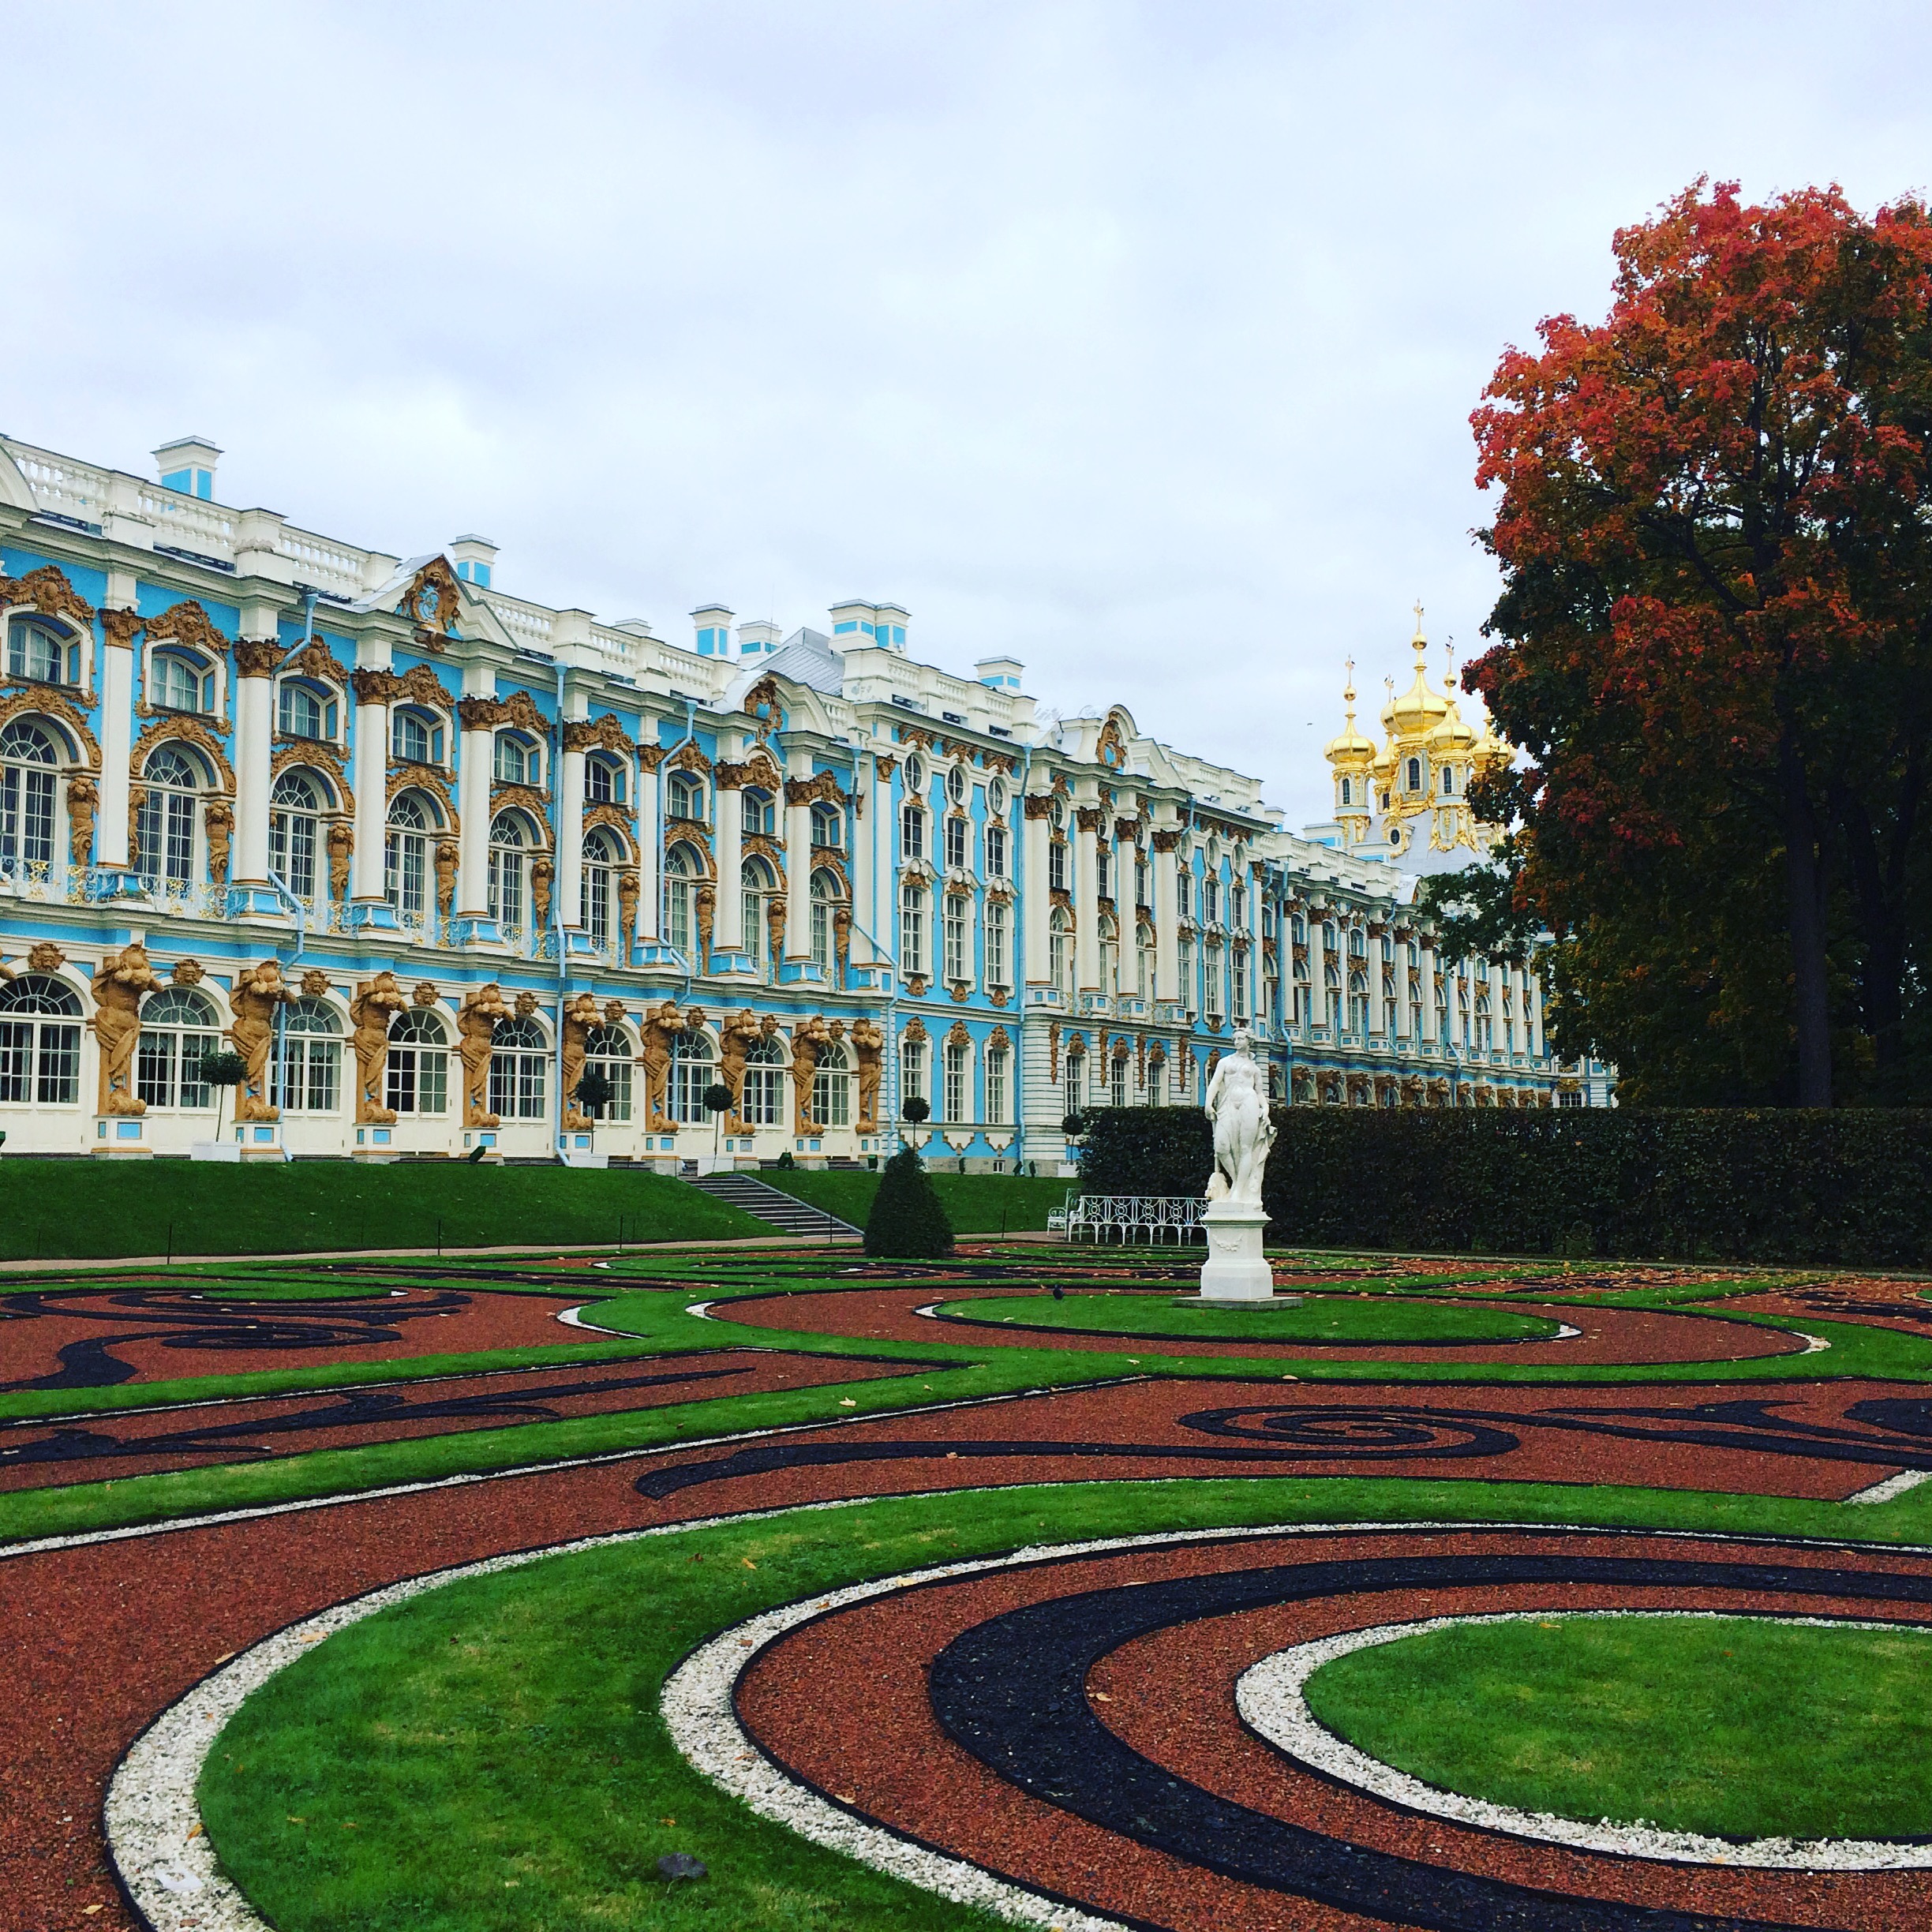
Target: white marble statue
[1237, 1104]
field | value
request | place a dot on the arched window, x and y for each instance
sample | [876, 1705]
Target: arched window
[517, 760]
[757, 889]
[758, 812]
[43, 652]
[306, 712]
[178, 1027]
[1448, 783]
[825, 894]
[510, 845]
[832, 1088]
[518, 1058]
[294, 832]
[693, 1069]
[681, 869]
[1144, 961]
[602, 859]
[915, 775]
[607, 1048]
[1359, 1002]
[604, 781]
[1059, 951]
[40, 1043]
[763, 1102]
[1348, 792]
[181, 682]
[405, 856]
[998, 1084]
[912, 930]
[956, 784]
[684, 798]
[1415, 774]
[164, 830]
[27, 760]
[828, 825]
[416, 738]
[418, 1081]
[308, 1073]
[955, 1102]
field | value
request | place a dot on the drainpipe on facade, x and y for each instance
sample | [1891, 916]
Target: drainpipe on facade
[556, 903]
[302, 946]
[1019, 978]
[889, 1053]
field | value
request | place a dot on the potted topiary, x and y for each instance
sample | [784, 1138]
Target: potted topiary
[908, 1222]
[593, 1095]
[717, 1099]
[915, 1112]
[220, 1071]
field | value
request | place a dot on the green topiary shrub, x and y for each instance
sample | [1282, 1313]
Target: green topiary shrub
[907, 1223]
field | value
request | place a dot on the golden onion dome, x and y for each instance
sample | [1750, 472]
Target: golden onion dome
[1350, 752]
[1489, 752]
[1452, 739]
[1419, 709]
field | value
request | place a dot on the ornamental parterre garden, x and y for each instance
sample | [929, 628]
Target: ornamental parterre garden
[788, 1589]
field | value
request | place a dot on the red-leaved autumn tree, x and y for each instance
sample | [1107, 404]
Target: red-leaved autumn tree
[1714, 631]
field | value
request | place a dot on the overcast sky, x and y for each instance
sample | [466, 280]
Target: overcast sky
[1136, 341]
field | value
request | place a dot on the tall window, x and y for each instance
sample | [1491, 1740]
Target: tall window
[998, 1062]
[1142, 882]
[294, 832]
[996, 852]
[1075, 1083]
[39, 651]
[304, 714]
[913, 1071]
[758, 812]
[1358, 1002]
[418, 1078]
[1211, 901]
[759, 888]
[406, 857]
[417, 738]
[1144, 961]
[832, 1088]
[1156, 1080]
[684, 798]
[763, 1102]
[601, 859]
[178, 1027]
[680, 869]
[518, 760]
[1103, 867]
[517, 1058]
[182, 683]
[27, 766]
[955, 1106]
[827, 827]
[692, 1070]
[40, 1043]
[1110, 955]
[1190, 993]
[1056, 865]
[1117, 1081]
[165, 827]
[1059, 951]
[912, 931]
[957, 909]
[604, 781]
[997, 975]
[912, 832]
[956, 830]
[607, 1051]
[309, 1071]
[509, 873]
[1239, 1008]
[825, 893]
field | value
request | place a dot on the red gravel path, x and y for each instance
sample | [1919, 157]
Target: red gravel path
[1610, 1335]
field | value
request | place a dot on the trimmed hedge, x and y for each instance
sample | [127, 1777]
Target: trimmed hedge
[1843, 1186]
[907, 1223]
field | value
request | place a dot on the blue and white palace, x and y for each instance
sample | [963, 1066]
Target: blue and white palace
[424, 854]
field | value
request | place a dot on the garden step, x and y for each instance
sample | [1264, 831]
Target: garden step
[784, 1211]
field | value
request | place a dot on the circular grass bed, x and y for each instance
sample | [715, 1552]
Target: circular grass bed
[1335, 1321]
[1727, 1726]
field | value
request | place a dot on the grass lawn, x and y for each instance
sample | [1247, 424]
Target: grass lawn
[1321, 1318]
[1733, 1727]
[514, 1717]
[66, 1209]
[975, 1204]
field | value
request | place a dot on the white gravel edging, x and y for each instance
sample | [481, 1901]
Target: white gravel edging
[1269, 1696]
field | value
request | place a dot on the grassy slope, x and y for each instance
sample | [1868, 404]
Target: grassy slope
[66, 1209]
[1321, 1318]
[515, 1716]
[975, 1204]
[1733, 1727]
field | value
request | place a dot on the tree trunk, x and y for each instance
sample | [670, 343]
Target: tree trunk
[1804, 877]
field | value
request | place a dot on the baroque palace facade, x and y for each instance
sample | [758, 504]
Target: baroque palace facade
[422, 854]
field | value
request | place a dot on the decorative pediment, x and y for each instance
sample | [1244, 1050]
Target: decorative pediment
[521, 798]
[914, 1031]
[316, 660]
[421, 685]
[424, 778]
[912, 735]
[432, 603]
[310, 755]
[1037, 804]
[688, 757]
[42, 702]
[762, 702]
[48, 590]
[999, 1040]
[190, 730]
[612, 816]
[823, 787]
[603, 734]
[957, 1035]
[185, 622]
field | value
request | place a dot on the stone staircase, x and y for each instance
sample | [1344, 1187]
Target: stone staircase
[785, 1212]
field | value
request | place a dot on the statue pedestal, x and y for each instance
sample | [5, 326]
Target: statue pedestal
[1235, 1269]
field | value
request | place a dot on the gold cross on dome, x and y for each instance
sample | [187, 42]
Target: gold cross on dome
[1418, 617]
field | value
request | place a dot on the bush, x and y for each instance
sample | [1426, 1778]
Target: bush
[907, 1223]
[915, 1110]
[1846, 1186]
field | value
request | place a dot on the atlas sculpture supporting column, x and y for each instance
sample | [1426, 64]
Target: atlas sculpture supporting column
[1237, 1103]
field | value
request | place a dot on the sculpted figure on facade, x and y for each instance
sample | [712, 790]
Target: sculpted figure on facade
[738, 1033]
[376, 1002]
[579, 1016]
[256, 992]
[1237, 1103]
[628, 896]
[543, 876]
[120, 980]
[705, 901]
[448, 856]
[868, 1044]
[341, 846]
[476, 1031]
[810, 1038]
[83, 802]
[660, 1027]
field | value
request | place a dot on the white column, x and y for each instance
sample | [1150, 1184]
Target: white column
[650, 852]
[373, 684]
[883, 856]
[1167, 916]
[254, 750]
[1081, 849]
[1378, 1016]
[867, 808]
[570, 838]
[1317, 971]
[1036, 898]
[798, 880]
[480, 716]
[117, 686]
[728, 934]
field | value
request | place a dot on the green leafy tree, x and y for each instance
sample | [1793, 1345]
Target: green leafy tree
[908, 1222]
[222, 1071]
